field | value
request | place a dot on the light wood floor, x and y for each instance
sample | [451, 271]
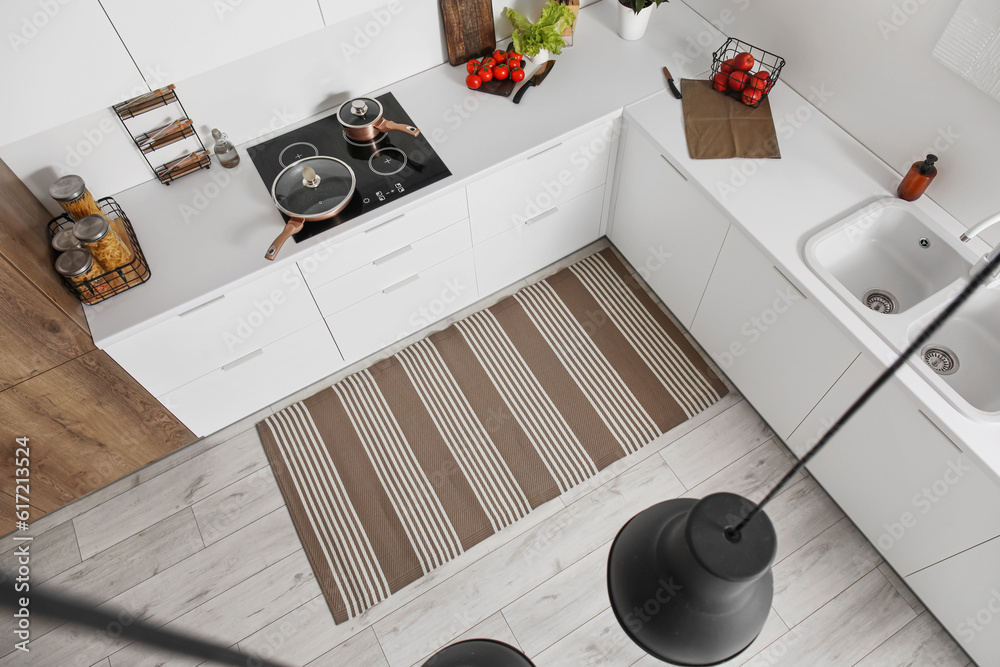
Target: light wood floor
[201, 542]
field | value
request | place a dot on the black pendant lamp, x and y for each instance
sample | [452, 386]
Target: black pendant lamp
[690, 580]
[685, 587]
[479, 653]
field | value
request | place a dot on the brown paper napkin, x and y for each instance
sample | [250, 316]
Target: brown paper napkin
[718, 126]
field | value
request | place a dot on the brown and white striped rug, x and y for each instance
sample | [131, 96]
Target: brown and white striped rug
[402, 466]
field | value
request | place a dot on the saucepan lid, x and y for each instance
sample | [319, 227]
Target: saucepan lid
[313, 187]
[360, 112]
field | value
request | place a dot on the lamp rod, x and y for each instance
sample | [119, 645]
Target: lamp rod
[918, 342]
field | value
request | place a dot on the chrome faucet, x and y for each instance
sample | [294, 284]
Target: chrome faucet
[994, 279]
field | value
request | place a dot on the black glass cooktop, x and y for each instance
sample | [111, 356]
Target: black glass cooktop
[388, 167]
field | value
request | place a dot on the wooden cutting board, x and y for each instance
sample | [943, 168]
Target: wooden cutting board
[468, 29]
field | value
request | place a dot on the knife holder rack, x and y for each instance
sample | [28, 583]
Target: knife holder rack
[165, 135]
[118, 279]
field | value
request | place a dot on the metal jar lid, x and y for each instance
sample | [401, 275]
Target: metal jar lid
[67, 188]
[91, 228]
[65, 240]
[74, 262]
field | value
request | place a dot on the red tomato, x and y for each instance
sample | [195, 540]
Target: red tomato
[738, 80]
[473, 81]
[515, 56]
[500, 72]
[743, 61]
[472, 66]
[727, 66]
[485, 73]
[516, 74]
[489, 61]
[752, 96]
[500, 56]
[720, 82]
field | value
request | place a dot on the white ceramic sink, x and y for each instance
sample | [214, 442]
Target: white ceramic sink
[897, 269]
[965, 352]
[890, 263]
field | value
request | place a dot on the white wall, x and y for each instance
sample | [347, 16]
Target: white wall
[873, 60]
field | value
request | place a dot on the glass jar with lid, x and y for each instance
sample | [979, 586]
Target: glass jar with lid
[65, 240]
[79, 267]
[107, 248]
[72, 194]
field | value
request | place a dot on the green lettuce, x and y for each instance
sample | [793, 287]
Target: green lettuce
[530, 38]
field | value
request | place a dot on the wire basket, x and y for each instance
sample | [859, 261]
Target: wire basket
[116, 280]
[763, 61]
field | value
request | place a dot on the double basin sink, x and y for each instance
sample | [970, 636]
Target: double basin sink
[897, 268]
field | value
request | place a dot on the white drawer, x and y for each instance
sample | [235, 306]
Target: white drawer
[217, 332]
[410, 305]
[338, 257]
[392, 267]
[538, 242]
[255, 380]
[541, 182]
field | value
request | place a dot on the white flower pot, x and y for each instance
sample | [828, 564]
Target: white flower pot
[632, 26]
[542, 56]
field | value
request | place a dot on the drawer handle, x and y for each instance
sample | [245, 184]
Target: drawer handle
[402, 283]
[550, 148]
[392, 255]
[673, 167]
[387, 222]
[789, 282]
[200, 306]
[542, 216]
[242, 360]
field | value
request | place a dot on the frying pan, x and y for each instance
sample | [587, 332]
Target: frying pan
[362, 120]
[313, 188]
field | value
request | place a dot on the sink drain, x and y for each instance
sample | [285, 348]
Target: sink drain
[941, 360]
[880, 301]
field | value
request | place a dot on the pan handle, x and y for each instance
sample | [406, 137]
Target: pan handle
[389, 126]
[293, 226]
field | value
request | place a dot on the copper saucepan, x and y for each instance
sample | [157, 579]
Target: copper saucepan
[314, 188]
[362, 120]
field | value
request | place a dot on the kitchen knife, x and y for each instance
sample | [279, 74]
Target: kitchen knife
[670, 82]
[535, 80]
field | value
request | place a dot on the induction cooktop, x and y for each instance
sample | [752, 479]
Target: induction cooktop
[390, 166]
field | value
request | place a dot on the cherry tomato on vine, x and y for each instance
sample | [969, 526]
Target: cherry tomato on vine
[516, 74]
[485, 73]
[500, 72]
[473, 81]
[472, 66]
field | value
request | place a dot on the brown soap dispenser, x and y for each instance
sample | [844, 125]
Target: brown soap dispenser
[917, 179]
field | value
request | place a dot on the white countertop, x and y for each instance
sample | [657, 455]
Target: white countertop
[207, 232]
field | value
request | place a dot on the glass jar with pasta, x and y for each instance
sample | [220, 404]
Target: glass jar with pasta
[107, 248]
[79, 268]
[72, 194]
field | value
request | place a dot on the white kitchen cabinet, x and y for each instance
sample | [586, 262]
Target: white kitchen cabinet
[257, 379]
[539, 241]
[177, 40]
[909, 488]
[391, 267]
[336, 257]
[217, 332]
[964, 594]
[62, 60]
[545, 180]
[415, 302]
[669, 232]
[777, 347]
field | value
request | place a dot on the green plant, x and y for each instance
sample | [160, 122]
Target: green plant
[530, 38]
[638, 5]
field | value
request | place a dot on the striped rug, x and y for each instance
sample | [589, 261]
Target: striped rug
[403, 466]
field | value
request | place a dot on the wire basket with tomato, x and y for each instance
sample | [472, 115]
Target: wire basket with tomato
[745, 72]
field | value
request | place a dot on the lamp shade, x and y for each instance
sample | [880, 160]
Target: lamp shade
[683, 588]
[479, 653]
